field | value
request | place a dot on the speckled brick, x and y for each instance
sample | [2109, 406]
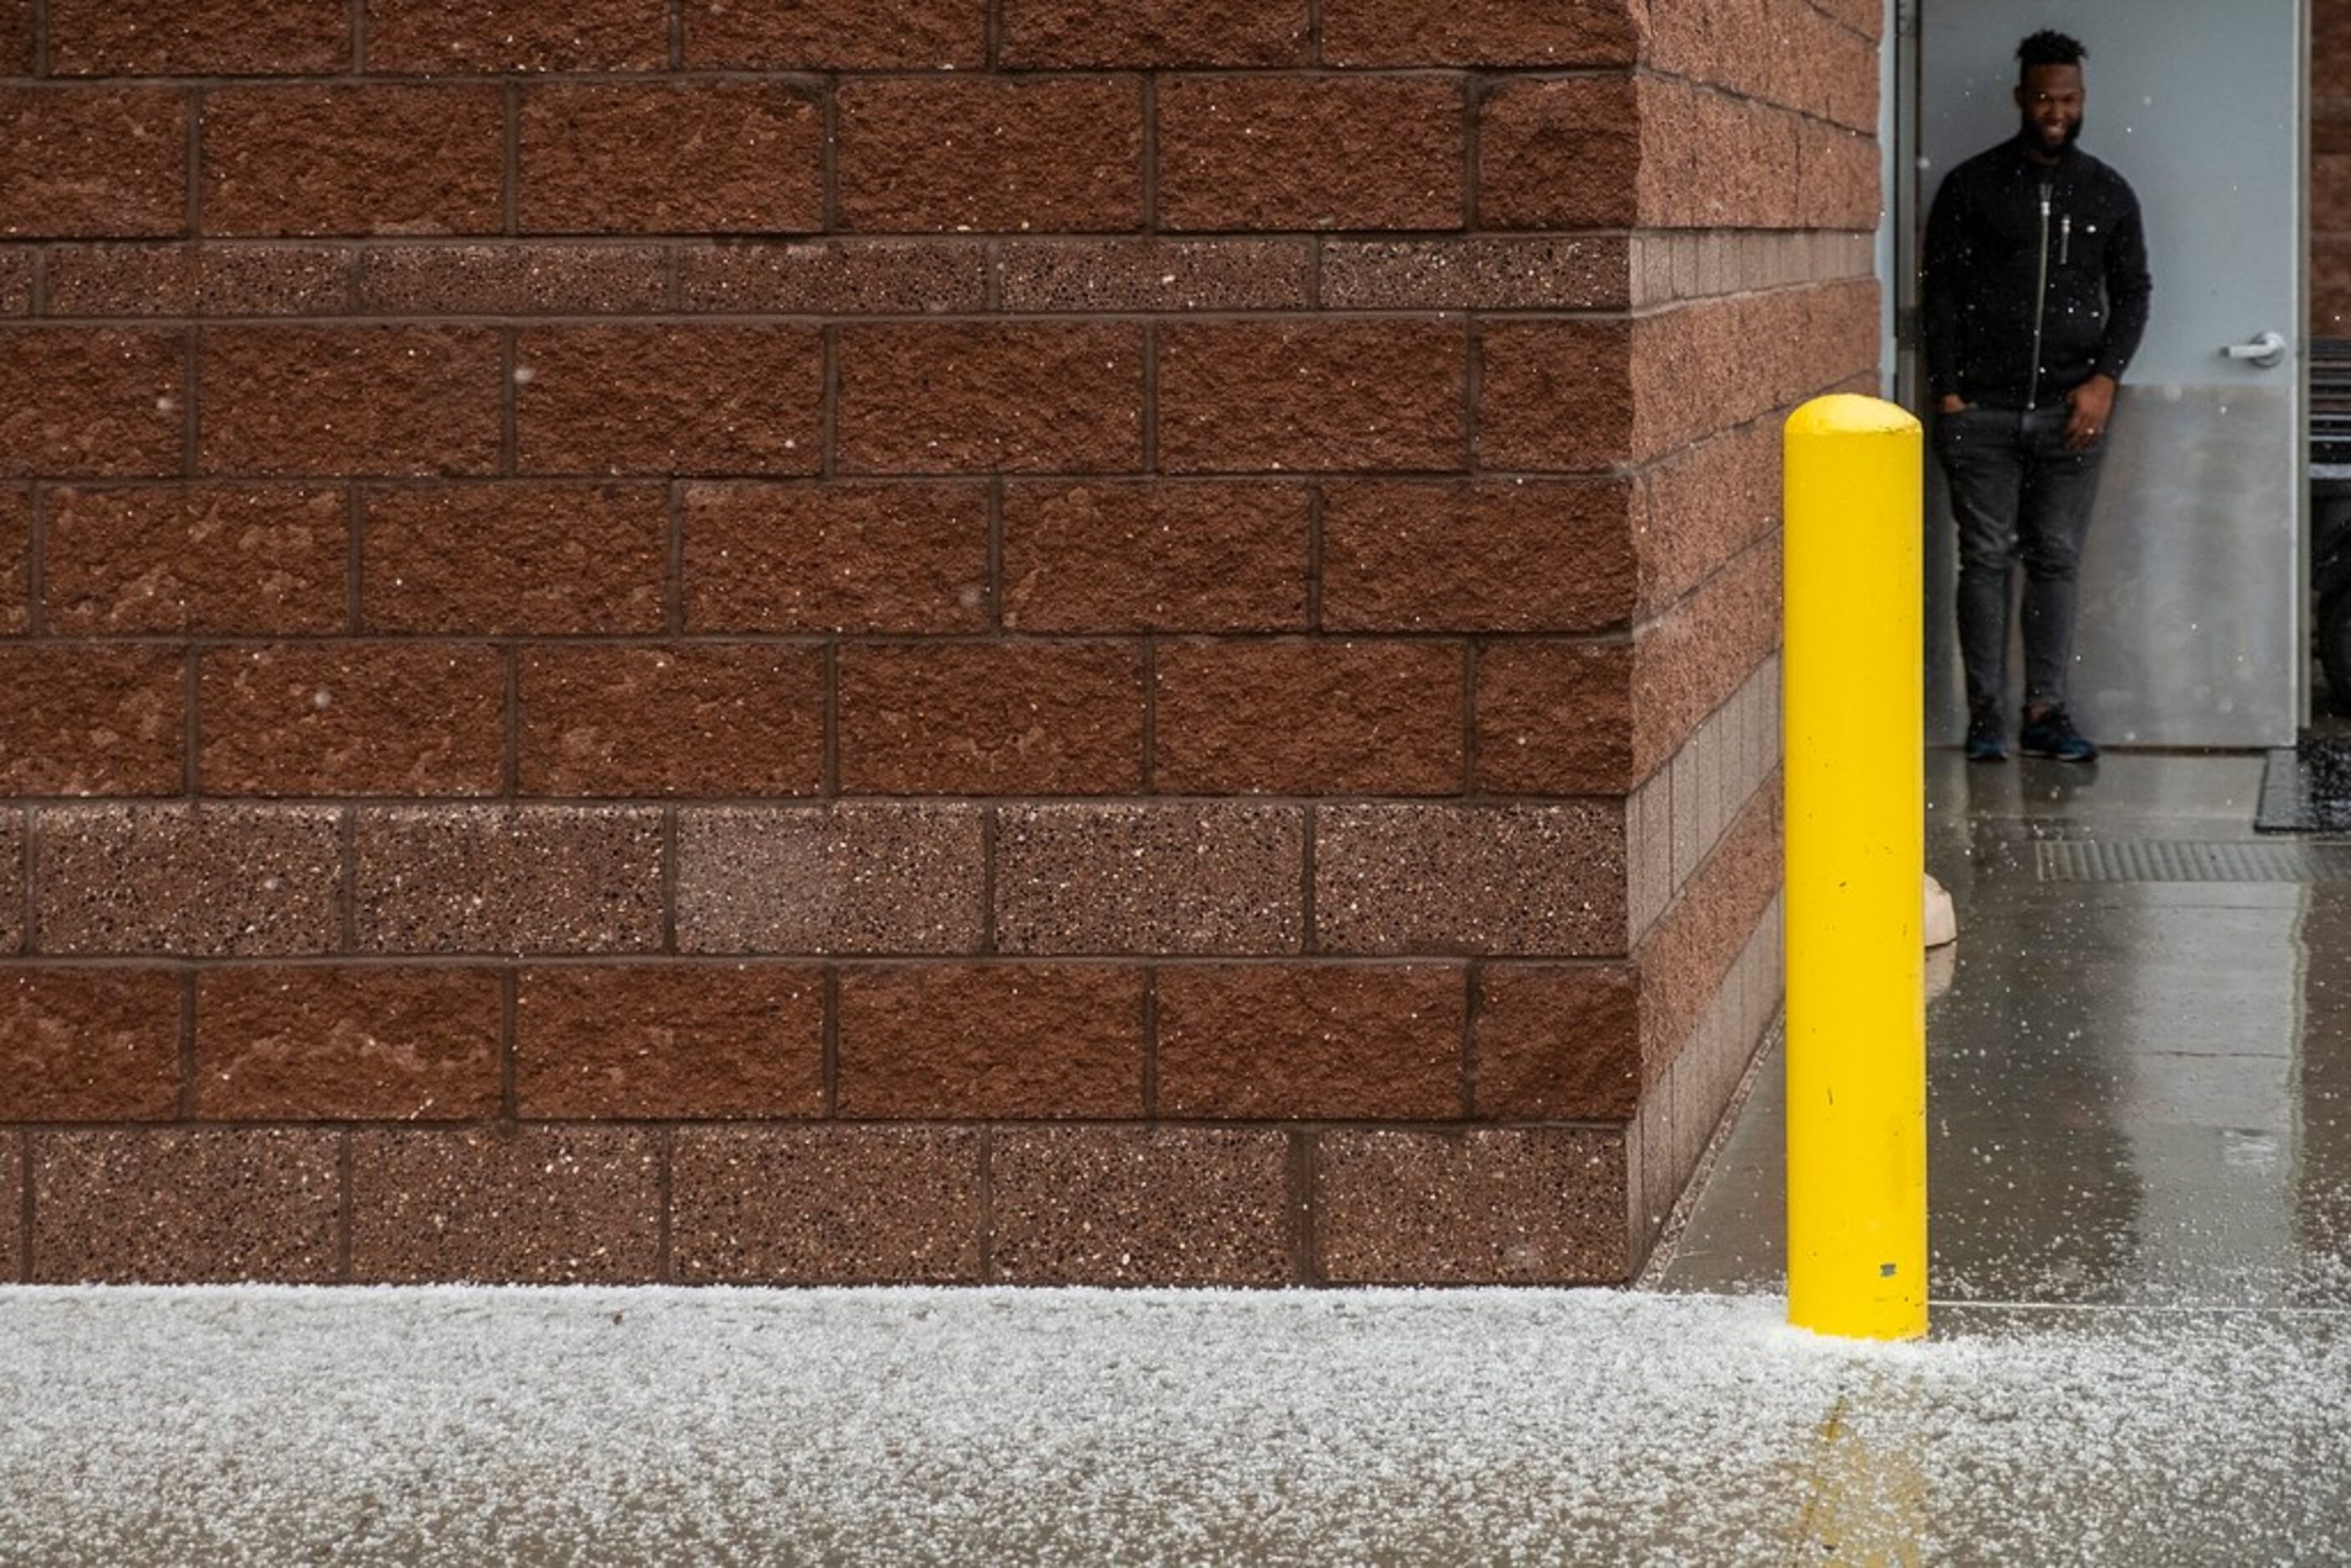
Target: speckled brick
[1054, 396]
[1696, 655]
[837, 35]
[531, 879]
[1557, 718]
[1199, 877]
[907, 558]
[12, 838]
[1552, 272]
[465, 37]
[669, 399]
[1133, 1206]
[1686, 954]
[990, 154]
[1704, 505]
[15, 561]
[1172, 558]
[1556, 396]
[703, 157]
[197, 281]
[380, 1044]
[512, 280]
[1478, 557]
[1488, 1206]
[349, 401]
[1529, 880]
[1562, 152]
[353, 159]
[540, 1206]
[351, 719]
[1558, 1043]
[1338, 1042]
[696, 1042]
[1310, 153]
[1479, 33]
[872, 878]
[995, 1042]
[91, 719]
[12, 1240]
[1046, 719]
[826, 1206]
[1320, 396]
[89, 1045]
[16, 59]
[95, 401]
[1299, 718]
[194, 880]
[855, 277]
[1154, 34]
[171, 1208]
[684, 720]
[198, 38]
[514, 559]
[97, 161]
[1123, 275]
[15, 281]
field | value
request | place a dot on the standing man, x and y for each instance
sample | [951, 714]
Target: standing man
[2036, 287]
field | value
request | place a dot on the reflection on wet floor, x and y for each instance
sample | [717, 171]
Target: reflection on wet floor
[2139, 1092]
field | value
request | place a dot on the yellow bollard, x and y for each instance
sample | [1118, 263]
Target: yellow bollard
[1854, 730]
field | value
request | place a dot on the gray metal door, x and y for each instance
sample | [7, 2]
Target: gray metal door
[2193, 599]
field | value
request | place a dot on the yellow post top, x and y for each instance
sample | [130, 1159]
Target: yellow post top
[1849, 413]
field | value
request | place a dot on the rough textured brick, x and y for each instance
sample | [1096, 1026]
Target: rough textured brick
[197, 38]
[1563, 154]
[1477, 556]
[89, 1045]
[346, 1044]
[908, 558]
[541, 1206]
[1323, 395]
[1297, 717]
[15, 561]
[1686, 955]
[1480, 33]
[1556, 395]
[167, 1207]
[194, 880]
[694, 158]
[698, 1041]
[76, 401]
[532, 879]
[1319, 1042]
[990, 155]
[1109, 1205]
[1515, 879]
[1137, 558]
[683, 720]
[1552, 272]
[826, 1206]
[1156, 33]
[13, 1242]
[1556, 1042]
[344, 719]
[1556, 719]
[857, 278]
[1704, 506]
[1838, 182]
[90, 719]
[16, 280]
[1286, 153]
[512, 280]
[532, 558]
[13, 839]
[96, 161]
[979, 720]
[1690, 661]
[197, 281]
[337, 160]
[1499, 1207]
[1206, 877]
[839, 879]
[837, 35]
[1029, 398]
[1125, 275]
[669, 399]
[463, 36]
[994, 1040]
[349, 401]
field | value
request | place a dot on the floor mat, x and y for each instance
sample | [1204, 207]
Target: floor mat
[2307, 789]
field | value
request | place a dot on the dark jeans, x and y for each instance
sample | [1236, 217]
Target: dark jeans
[2016, 492]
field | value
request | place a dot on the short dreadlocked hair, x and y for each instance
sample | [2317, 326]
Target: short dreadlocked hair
[2048, 47]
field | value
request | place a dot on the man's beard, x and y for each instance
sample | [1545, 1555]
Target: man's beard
[2073, 134]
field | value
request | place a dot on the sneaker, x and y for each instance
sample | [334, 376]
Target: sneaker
[1986, 743]
[2051, 733]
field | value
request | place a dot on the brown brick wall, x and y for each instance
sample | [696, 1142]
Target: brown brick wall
[950, 640]
[2330, 168]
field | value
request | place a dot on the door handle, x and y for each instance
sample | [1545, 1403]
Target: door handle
[2265, 350]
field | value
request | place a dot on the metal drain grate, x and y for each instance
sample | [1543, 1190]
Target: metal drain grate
[2160, 860]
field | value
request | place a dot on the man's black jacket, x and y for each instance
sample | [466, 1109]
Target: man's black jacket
[1981, 277]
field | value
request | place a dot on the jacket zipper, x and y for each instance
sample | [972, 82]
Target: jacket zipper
[2040, 303]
